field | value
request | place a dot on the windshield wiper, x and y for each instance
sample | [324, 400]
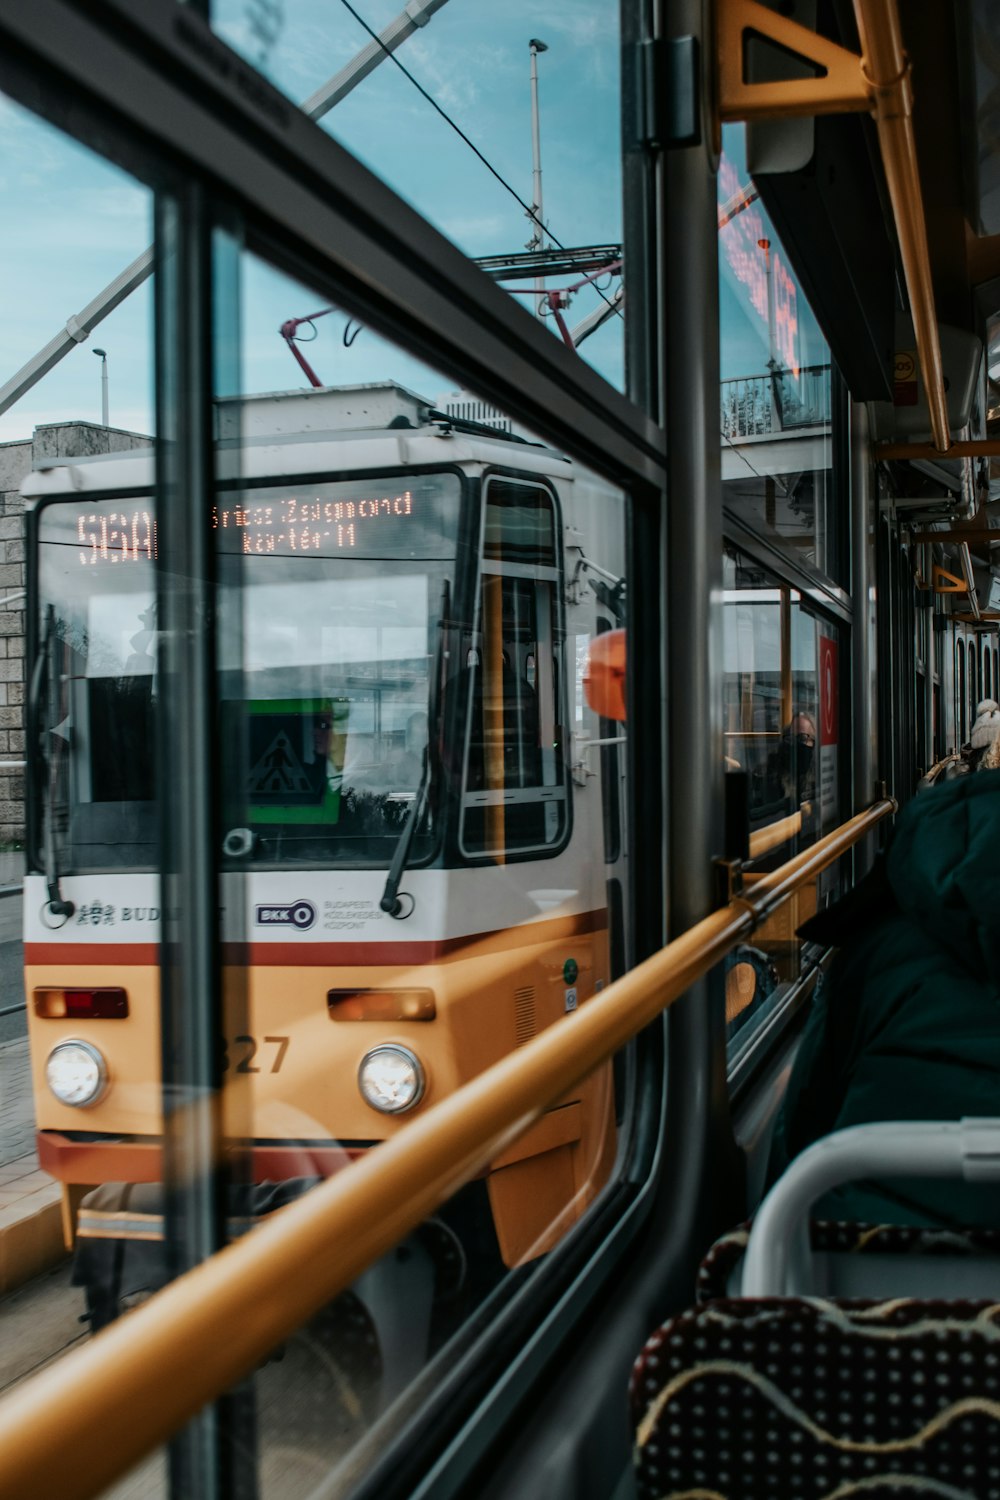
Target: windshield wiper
[391, 901]
[45, 679]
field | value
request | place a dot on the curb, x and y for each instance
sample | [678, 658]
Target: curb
[31, 1237]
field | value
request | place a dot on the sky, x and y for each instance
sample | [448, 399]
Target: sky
[73, 221]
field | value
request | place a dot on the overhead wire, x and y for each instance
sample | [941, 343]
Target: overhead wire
[530, 212]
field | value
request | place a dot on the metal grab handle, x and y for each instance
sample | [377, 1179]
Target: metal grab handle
[777, 1257]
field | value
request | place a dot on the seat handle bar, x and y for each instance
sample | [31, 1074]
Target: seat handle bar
[777, 1254]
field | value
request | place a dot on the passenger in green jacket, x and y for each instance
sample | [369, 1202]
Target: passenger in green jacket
[907, 1025]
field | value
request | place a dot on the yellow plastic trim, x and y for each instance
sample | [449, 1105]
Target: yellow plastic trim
[842, 86]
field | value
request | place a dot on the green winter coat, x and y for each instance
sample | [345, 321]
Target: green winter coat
[907, 1026]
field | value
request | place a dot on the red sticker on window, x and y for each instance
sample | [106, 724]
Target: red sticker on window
[828, 690]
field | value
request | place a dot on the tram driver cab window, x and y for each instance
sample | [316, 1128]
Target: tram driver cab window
[514, 795]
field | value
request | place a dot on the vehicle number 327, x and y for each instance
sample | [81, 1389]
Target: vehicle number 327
[251, 1054]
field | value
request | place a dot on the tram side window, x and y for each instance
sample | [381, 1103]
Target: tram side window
[514, 797]
[962, 721]
[973, 683]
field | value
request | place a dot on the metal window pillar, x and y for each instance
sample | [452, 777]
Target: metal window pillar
[707, 1184]
[203, 1455]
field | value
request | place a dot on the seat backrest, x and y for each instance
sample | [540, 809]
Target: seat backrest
[783, 1398]
[775, 1396]
[872, 1261]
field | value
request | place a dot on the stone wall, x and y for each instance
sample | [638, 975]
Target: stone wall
[55, 440]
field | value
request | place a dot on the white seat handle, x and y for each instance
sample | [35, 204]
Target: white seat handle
[777, 1256]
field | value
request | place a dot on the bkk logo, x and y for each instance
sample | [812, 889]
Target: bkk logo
[300, 914]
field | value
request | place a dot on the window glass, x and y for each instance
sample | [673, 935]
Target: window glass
[418, 873]
[454, 135]
[782, 730]
[330, 685]
[78, 696]
[776, 413]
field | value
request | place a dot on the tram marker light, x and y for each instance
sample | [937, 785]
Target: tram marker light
[76, 1073]
[381, 1005]
[391, 1079]
[604, 675]
[108, 1003]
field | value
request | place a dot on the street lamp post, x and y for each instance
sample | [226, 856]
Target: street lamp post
[103, 357]
[537, 241]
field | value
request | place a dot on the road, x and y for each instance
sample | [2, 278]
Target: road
[311, 1404]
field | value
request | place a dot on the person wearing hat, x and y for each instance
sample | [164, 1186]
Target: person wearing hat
[981, 753]
[984, 740]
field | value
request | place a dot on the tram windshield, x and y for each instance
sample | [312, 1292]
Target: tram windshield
[327, 645]
[93, 683]
[337, 625]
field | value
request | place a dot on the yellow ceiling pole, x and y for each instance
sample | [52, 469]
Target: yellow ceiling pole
[81, 1423]
[888, 72]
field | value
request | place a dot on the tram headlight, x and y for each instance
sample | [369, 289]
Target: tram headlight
[76, 1073]
[391, 1079]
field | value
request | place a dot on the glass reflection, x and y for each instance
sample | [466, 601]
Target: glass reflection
[423, 815]
[781, 728]
[776, 418]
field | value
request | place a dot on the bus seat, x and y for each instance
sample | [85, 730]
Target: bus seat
[785, 1392]
[870, 1260]
[782, 1398]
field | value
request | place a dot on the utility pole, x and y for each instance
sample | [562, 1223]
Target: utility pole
[537, 241]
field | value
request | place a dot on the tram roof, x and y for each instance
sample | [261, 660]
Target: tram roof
[387, 426]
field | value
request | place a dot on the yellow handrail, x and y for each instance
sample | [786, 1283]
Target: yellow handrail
[74, 1428]
[763, 840]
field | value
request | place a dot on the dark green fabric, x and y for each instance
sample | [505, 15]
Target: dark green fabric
[907, 1024]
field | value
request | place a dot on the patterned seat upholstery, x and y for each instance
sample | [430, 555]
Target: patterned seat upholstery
[808, 1399]
[827, 1237]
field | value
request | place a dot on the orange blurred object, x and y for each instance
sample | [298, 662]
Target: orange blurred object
[604, 675]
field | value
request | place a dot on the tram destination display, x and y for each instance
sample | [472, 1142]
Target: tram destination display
[373, 519]
[293, 523]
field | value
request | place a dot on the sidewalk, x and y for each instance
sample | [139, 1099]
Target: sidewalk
[30, 1200]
